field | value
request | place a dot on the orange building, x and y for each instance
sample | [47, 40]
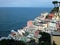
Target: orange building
[29, 23]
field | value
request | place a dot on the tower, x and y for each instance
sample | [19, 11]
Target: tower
[55, 3]
[56, 8]
[59, 6]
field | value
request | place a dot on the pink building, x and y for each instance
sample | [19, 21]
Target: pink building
[29, 23]
[58, 26]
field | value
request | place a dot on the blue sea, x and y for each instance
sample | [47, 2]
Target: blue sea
[14, 18]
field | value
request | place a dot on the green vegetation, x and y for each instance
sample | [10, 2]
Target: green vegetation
[56, 9]
[44, 40]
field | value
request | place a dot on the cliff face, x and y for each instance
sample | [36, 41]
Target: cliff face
[55, 9]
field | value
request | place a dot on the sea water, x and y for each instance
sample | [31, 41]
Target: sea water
[14, 18]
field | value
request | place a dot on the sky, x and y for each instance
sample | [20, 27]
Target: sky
[26, 3]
